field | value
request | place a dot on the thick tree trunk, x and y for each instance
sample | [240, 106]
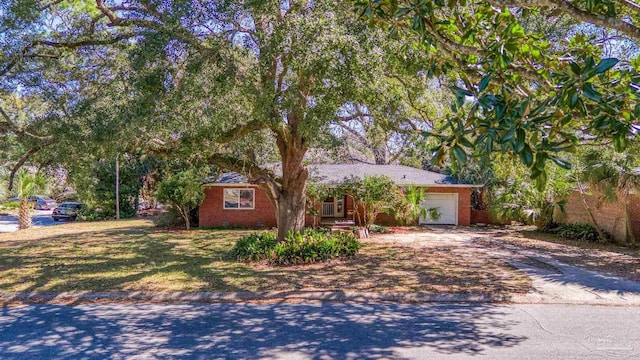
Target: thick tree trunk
[291, 212]
[24, 216]
[380, 154]
[291, 194]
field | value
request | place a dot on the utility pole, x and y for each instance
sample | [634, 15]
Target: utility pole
[117, 189]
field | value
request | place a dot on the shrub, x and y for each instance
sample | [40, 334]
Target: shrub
[10, 205]
[183, 192]
[581, 232]
[168, 219]
[86, 213]
[298, 248]
[378, 229]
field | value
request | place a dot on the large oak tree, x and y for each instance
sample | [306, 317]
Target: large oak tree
[230, 83]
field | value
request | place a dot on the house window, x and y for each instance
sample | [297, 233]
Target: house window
[239, 198]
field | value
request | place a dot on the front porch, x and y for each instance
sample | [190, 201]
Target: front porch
[337, 210]
[337, 213]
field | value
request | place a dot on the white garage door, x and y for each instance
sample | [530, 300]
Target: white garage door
[446, 206]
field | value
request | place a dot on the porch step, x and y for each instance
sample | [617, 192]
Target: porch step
[337, 225]
[337, 222]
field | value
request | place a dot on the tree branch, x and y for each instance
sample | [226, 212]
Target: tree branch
[356, 135]
[88, 42]
[180, 32]
[14, 128]
[255, 174]
[600, 20]
[240, 131]
[19, 164]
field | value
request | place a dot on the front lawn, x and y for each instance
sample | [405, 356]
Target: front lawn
[132, 255]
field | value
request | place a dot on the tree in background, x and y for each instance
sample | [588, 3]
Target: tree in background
[27, 185]
[183, 192]
[94, 181]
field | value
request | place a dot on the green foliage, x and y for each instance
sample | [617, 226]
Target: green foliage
[373, 194]
[86, 213]
[514, 197]
[581, 232]
[297, 248]
[515, 91]
[95, 185]
[379, 229]
[10, 205]
[29, 185]
[407, 207]
[183, 192]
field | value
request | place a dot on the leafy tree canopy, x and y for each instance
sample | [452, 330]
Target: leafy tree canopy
[517, 91]
[233, 83]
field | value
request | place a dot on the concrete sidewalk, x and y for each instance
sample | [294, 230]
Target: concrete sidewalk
[555, 282]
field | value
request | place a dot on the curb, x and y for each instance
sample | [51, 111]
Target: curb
[237, 297]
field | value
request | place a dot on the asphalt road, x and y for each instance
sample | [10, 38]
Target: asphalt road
[39, 217]
[319, 331]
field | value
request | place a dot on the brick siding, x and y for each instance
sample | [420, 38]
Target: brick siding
[212, 212]
[610, 216]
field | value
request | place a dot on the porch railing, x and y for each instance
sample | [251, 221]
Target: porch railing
[328, 209]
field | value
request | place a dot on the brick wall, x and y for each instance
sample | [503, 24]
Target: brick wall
[212, 212]
[484, 217]
[480, 217]
[610, 216]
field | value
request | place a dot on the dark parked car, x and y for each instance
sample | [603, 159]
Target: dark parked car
[66, 210]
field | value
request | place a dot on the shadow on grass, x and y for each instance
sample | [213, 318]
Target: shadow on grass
[363, 331]
[147, 259]
[395, 268]
[112, 260]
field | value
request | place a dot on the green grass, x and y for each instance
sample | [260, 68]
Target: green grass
[132, 255]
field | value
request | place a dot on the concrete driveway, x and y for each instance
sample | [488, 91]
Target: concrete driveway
[554, 282]
[40, 218]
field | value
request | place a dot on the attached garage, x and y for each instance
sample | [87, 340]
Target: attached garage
[445, 204]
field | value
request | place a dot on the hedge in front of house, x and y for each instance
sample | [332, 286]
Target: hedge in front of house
[298, 248]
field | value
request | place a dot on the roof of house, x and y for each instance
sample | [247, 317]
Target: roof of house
[336, 173]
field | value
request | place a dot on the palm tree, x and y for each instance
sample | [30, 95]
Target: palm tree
[27, 185]
[616, 180]
[411, 209]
